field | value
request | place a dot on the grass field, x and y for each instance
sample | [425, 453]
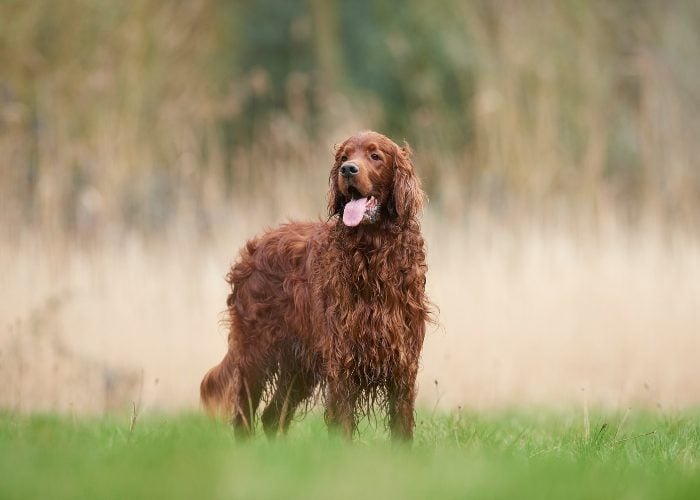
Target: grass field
[517, 454]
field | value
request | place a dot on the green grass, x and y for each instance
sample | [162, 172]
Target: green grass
[523, 454]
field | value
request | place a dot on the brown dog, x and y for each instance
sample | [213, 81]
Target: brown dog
[336, 305]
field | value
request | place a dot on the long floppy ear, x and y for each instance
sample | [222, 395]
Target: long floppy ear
[335, 197]
[406, 201]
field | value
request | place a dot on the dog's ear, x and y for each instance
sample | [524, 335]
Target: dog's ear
[407, 197]
[335, 197]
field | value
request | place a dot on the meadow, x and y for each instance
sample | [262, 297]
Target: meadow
[506, 454]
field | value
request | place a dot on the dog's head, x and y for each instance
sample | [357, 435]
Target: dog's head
[373, 180]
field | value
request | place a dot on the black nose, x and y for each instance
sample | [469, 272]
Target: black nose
[348, 170]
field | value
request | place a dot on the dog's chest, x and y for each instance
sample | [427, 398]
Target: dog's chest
[371, 291]
[367, 302]
[371, 307]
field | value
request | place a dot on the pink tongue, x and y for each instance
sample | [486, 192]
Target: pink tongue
[354, 211]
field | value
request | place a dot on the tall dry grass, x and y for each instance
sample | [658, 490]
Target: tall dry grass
[528, 313]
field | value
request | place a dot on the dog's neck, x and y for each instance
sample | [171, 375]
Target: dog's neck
[374, 236]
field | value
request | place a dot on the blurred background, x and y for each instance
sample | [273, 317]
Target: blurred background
[141, 143]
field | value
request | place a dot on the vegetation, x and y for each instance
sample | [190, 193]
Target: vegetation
[458, 455]
[140, 116]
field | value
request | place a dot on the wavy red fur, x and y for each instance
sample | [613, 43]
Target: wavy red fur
[323, 308]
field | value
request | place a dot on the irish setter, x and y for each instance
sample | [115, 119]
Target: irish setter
[338, 306]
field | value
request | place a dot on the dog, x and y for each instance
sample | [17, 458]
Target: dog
[336, 308]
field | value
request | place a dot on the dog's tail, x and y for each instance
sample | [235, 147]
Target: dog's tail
[215, 389]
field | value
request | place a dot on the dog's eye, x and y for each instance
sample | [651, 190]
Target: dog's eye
[374, 156]
[343, 158]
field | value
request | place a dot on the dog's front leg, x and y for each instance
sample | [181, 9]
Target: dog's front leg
[341, 397]
[402, 396]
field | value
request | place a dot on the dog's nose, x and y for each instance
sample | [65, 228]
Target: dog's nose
[348, 170]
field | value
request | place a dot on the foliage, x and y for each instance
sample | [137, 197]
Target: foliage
[129, 116]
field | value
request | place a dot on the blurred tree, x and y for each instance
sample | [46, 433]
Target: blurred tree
[165, 106]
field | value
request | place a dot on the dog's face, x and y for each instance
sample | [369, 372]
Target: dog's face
[373, 179]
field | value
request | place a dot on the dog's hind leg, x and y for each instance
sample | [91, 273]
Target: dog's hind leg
[244, 396]
[293, 387]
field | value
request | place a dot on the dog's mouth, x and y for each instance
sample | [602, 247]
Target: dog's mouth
[354, 193]
[360, 209]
